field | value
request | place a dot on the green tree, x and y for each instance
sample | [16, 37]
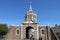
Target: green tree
[3, 29]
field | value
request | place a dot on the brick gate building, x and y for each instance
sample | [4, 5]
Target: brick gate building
[30, 29]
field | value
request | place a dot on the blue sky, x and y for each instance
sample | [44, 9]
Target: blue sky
[12, 11]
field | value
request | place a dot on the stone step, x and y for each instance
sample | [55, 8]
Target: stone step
[29, 39]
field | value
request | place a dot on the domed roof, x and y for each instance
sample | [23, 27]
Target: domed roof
[30, 11]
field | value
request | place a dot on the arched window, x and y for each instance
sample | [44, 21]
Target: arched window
[43, 32]
[17, 31]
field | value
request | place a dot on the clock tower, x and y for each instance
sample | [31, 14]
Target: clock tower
[29, 27]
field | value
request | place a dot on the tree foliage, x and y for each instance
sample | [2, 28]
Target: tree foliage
[3, 29]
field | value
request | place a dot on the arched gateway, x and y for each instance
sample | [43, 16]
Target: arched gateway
[29, 31]
[30, 26]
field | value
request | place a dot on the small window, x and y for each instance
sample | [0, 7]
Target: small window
[17, 31]
[42, 31]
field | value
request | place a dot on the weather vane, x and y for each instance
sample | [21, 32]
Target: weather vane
[30, 3]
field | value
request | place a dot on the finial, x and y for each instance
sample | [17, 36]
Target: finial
[30, 7]
[30, 4]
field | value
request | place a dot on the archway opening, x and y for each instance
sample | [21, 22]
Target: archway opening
[28, 30]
